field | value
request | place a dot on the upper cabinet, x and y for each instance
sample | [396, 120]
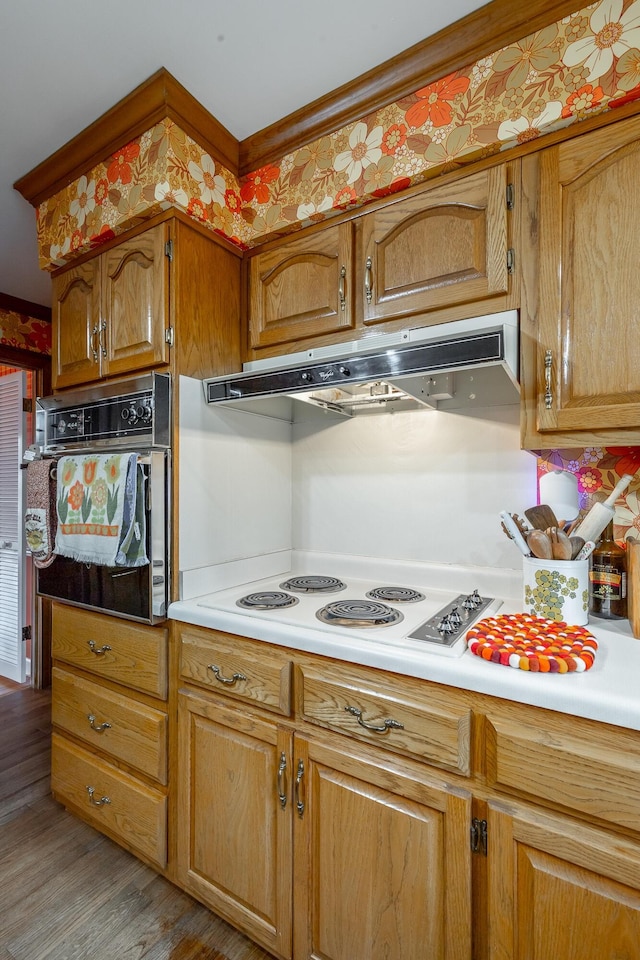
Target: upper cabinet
[426, 257]
[581, 358]
[110, 313]
[302, 288]
[435, 249]
[169, 296]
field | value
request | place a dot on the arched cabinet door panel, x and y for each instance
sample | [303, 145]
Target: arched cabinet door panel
[76, 325]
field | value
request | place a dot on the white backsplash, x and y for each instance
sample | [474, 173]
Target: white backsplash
[423, 486]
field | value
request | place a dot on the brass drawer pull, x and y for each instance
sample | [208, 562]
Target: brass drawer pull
[300, 802]
[228, 680]
[97, 803]
[341, 293]
[368, 279]
[99, 651]
[386, 724]
[282, 782]
[548, 392]
[98, 727]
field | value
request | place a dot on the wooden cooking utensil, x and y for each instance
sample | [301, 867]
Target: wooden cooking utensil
[633, 584]
[540, 545]
[561, 548]
[541, 517]
[577, 543]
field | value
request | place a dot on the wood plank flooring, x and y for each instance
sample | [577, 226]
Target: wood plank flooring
[67, 892]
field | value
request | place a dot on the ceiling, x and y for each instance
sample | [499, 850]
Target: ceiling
[249, 62]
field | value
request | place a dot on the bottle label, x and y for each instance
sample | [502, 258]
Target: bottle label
[608, 583]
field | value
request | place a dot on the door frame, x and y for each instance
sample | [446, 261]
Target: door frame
[40, 365]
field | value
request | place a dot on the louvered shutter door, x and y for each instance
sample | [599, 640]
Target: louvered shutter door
[12, 604]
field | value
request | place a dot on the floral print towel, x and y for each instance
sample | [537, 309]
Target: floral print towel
[91, 492]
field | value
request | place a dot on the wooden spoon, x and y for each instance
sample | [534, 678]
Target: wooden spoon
[541, 517]
[577, 543]
[561, 547]
[540, 545]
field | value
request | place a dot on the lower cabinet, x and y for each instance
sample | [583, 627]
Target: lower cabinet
[336, 812]
[316, 848]
[559, 889]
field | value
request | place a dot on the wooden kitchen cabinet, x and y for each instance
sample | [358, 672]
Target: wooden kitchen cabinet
[581, 356]
[110, 313]
[424, 258]
[302, 288]
[382, 858]
[559, 889]
[167, 296]
[110, 720]
[479, 828]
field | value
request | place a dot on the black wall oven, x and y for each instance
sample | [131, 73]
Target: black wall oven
[126, 416]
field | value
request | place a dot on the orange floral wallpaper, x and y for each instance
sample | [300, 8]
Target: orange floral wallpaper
[24, 332]
[598, 470]
[585, 63]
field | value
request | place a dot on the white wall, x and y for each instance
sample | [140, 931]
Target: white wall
[422, 486]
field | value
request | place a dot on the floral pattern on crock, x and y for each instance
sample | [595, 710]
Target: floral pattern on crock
[598, 470]
[24, 332]
[585, 63]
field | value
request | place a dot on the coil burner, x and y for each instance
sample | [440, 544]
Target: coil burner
[313, 584]
[267, 600]
[395, 594]
[358, 613]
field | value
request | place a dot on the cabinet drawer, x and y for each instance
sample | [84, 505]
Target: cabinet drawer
[129, 653]
[120, 805]
[586, 766]
[406, 717]
[136, 733]
[242, 669]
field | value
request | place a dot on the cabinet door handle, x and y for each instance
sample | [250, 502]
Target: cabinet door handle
[94, 349]
[386, 724]
[299, 789]
[548, 393]
[228, 680]
[341, 287]
[282, 781]
[99, 651]
[98, 727]
[368, 279]
[101, 802]
[103, 330]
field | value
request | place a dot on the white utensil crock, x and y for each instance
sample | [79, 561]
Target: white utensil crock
[556, 589]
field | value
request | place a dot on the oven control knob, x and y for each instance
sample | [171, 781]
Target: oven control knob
[61, 425]
[344, 371]
[143, 412]
[306, 377]
[129, 415]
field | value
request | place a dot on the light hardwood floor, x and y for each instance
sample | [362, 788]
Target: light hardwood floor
[67, 892]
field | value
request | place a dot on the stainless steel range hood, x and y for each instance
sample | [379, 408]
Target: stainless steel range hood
[452, 366]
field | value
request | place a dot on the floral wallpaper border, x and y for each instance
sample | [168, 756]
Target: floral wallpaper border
[584, 64]
[24, 332]
[598, 470]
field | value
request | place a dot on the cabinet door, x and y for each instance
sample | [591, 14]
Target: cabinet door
[589, 282]
[303, 288]
[439, 248]
[234, 843]
[559, 889]
[76, 325]
[135, 303]
[382, 859]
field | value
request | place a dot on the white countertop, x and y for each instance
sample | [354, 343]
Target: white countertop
[609, 691]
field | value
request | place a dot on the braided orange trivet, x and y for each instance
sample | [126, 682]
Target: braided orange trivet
[526, 642]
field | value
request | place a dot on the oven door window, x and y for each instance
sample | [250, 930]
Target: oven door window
[121, 591]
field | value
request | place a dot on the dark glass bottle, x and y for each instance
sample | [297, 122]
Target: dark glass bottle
[608, 579]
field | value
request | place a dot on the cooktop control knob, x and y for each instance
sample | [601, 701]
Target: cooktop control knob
[455, 617]
[472, 601]
[446, 625]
